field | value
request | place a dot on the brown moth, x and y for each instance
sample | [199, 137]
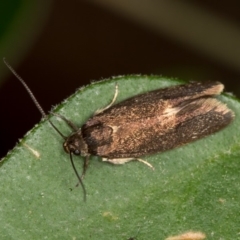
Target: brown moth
[145, 124]
[152, 122]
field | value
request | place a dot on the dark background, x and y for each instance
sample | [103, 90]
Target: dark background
[81, 42]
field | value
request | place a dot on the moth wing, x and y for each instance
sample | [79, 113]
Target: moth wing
[173, 127]
[176, 93]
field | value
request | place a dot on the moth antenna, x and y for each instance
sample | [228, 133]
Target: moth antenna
[79, 178]
[44, 115]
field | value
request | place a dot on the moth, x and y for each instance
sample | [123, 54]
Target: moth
[145, 124]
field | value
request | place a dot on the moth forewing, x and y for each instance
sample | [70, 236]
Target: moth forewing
[156, 121]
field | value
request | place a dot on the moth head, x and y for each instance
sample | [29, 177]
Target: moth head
[75, 144]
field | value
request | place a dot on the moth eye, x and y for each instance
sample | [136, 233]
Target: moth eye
[76, 152]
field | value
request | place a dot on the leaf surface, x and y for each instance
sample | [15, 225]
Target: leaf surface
[195, 187]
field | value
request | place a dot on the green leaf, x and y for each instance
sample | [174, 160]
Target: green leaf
[195, 187]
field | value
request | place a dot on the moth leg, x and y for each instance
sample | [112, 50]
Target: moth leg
[125, 160]
[85, 166]
[112, 102]
[145, 162]
[69, 122]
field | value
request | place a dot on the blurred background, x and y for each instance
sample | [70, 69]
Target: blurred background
[58, 46]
